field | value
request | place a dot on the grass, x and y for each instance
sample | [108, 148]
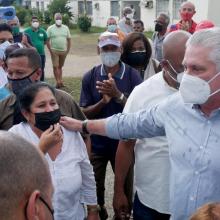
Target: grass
[72, 86]
[93, 30]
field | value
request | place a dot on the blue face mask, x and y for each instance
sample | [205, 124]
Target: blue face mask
[18, 85]
[112, 28]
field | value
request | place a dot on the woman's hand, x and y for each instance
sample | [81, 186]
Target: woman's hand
[71, 123]
[52, 136]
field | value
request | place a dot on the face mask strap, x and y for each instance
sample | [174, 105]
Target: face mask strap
[216, 75]
[32, 73]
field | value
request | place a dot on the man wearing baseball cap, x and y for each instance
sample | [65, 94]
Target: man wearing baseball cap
[104, 92]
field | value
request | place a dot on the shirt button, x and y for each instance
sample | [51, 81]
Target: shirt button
[209, 122]
[201, 147]
[191, 198]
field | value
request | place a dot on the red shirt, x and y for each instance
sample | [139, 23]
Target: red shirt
[177, 26]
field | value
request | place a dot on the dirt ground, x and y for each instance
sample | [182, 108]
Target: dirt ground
[82, 57]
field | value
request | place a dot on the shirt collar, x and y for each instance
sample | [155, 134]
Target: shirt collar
[119, 74]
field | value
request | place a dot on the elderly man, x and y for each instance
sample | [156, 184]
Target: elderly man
[113, 28]
[191, 121]
[24, 195]
[104, 92]
[161, 24]
[126, 23]
[151, 154]
[18, 36]
[187, 10]
[59, 43]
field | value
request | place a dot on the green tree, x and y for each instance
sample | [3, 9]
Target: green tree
[60, 6]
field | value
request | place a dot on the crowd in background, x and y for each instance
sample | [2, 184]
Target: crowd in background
[161, 136]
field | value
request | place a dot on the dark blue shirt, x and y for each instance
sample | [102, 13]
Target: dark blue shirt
[18, 38]
[126, 79]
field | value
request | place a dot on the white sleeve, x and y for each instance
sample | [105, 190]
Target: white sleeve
[88, 188]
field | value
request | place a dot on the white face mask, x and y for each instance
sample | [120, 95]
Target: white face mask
[195, 90]
[35, 24]
[3, 47]
[58, 22]
[110, 59]
[129, 16]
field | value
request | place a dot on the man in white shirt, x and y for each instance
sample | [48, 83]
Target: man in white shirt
[151, 154]
[126, 23]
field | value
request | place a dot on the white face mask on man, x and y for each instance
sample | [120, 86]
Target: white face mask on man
[110, 59]
[35, 24]
[195, 90]
[58, 22]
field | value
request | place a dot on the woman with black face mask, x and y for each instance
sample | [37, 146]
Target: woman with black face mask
[66, 154]
[137, 53]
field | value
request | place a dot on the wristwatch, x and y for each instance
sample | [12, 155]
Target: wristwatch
[84, 127]
[93, 209]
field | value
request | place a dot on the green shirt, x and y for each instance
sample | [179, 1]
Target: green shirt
[38, 38]
[58, 37]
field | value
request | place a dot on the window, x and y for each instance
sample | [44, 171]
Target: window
[176, 7]
[42, 6]
[38, 5]
[162, 6]
[81, 7]
[115, 8]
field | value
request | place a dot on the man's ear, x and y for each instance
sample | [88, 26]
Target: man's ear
[33, 208]
[37, 75]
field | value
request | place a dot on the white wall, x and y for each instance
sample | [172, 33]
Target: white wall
[213, 11]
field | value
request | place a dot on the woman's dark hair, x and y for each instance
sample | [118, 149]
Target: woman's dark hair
[128, 43]
[28, 94]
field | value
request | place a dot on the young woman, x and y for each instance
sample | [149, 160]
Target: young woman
[71, 171]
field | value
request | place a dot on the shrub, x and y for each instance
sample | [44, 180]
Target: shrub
[84, 23]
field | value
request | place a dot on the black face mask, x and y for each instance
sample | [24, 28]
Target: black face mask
[136, 59]
[44, 120]
[18, 85]
[158, 27]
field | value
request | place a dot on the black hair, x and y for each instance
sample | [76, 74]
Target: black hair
[34, 60]
[34, 17]
[139, 22]
[28, 94]
[128, 43]
[5, 27]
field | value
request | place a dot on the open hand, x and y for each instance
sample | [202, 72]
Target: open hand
[49, 138]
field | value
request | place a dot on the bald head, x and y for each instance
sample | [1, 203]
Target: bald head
[174, 46]
[188, 4]
[23, 169]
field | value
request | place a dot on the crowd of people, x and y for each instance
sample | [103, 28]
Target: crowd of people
[151, 109]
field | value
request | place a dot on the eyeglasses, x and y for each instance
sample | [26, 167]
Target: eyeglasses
[48, 207]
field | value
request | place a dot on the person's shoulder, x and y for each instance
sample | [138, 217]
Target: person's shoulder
[28, 29]
[19, 128]
[51, 27]
[65, 26]
[130, 69]
[62, 95]
[92, 72]
[9, 101]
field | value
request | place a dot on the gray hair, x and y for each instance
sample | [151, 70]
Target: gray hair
[57, 14]
[23, 170]
[14, 19]
[166, 17]
[208, 38]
